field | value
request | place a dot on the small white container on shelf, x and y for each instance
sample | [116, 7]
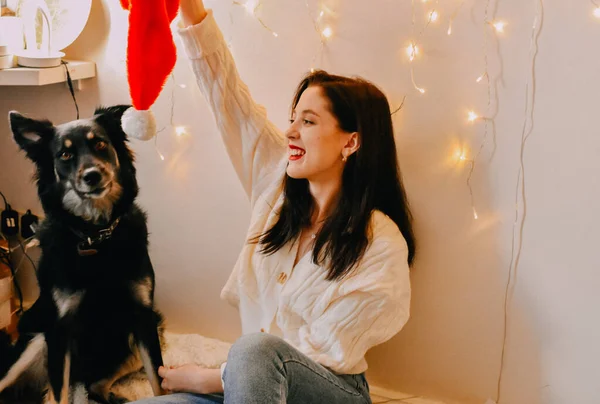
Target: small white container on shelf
[38, 59]
[7, 61]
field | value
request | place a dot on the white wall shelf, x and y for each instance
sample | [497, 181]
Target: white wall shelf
[26, 76]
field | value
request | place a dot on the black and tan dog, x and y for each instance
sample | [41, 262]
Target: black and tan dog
[94, 320]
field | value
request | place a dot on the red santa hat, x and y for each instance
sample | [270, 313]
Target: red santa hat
[151, 56]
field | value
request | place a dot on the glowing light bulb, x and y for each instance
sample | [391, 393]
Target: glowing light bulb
[321, 13]
[182, 86]
[499, 26]
[597, 12]
[327, 32]
[450, 30]
[480, 78]
[412, 50]
[475, 214]
[472, 116]
[460, 154]
[180, 130]
[433, 16]
[275, 34]
[421, 90]
[250, 6]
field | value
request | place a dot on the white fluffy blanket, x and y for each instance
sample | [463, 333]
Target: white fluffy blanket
[179, 349]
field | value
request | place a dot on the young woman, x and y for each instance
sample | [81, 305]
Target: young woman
[324, 275]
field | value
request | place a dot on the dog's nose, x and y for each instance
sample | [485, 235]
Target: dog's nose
[92, 177]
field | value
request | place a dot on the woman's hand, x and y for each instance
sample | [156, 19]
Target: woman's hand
[191, 379]
[192, 11]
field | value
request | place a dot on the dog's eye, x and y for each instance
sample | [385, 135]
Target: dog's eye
[66, 156]
[101, 145]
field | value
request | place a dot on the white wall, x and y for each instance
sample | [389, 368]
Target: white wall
[451, 347]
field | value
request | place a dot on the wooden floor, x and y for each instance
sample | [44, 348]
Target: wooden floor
[381, 396]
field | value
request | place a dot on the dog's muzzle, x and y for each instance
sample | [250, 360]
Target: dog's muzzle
[92, 177]
[94, 183]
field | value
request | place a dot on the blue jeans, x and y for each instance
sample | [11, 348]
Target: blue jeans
[264, 369]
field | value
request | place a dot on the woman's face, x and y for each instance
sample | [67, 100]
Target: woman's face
[316, 142]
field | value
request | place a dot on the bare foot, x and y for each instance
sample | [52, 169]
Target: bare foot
[190, 378]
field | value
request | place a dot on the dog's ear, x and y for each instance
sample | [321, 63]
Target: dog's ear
[115, 111]
[31, 135]
[110, 119]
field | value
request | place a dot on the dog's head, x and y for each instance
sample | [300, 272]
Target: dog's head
[84, 167]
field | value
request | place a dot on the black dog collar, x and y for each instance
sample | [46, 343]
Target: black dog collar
[89, 244]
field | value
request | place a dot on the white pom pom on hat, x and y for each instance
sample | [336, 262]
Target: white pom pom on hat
[139, 124]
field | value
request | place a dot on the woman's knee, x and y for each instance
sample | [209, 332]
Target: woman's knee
[252, 349]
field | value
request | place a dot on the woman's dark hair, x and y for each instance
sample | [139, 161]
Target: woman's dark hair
[371, 180]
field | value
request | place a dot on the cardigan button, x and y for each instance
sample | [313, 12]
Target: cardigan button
[282, 278]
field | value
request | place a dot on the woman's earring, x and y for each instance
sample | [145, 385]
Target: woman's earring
[344, 158]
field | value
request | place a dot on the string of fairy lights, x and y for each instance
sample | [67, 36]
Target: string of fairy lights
[252, 7]
[472, 116]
